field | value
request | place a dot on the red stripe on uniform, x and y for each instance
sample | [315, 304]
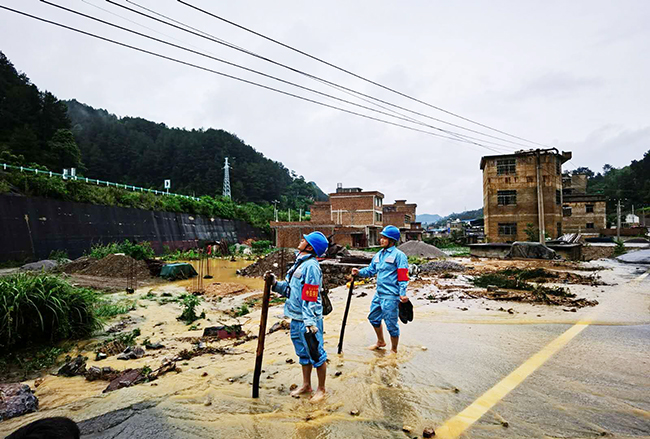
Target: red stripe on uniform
[402, 274]
[310, 293]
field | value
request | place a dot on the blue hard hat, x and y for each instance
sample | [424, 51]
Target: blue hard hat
[318, 241]
[391, 232]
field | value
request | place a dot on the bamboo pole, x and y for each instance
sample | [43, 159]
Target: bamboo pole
[261, 337]
[345, 315]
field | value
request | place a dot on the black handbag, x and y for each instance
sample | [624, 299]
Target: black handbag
[406, 312]
[312, 345]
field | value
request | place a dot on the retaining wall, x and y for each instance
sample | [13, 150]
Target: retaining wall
[32, 227]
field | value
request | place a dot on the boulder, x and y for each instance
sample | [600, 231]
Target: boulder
[283, 324]
[127, 378]
[16, 400]
[74, 367]
[44, 265]
[131, 353]
[224, 332]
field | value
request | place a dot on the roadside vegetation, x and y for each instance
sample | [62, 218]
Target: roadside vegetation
[139, 251]
[42, 308]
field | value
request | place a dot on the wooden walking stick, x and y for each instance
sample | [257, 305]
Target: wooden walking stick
[260, 338]
[345, 315]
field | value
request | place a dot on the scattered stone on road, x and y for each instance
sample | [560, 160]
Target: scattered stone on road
[131, 353]
[16, 400]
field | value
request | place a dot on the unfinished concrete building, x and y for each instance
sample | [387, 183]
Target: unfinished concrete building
[402, 215]
[581, 212]
[523, 191]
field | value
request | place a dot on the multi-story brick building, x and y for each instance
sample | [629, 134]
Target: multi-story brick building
[511, 184]
[582, 213]
[402, 216]
[352, 217]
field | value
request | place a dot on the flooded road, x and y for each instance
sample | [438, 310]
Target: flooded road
[450, 360]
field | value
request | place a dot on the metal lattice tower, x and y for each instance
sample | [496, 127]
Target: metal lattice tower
[226, 180]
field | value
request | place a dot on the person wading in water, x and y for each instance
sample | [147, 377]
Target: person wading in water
[302, 287]
[390, 266]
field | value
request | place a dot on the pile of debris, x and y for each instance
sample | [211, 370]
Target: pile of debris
[271, 262]
[441, 267]
[421, 249]
[222, 289]
[111, 266]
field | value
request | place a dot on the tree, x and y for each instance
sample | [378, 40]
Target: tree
[63, 151]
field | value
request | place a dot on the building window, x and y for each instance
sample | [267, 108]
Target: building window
[407, 219]
[529, 179]
[589, 208]
[507, 179]
[506, 166]
[506, 198]
[377, 201]
[566, 211]
[378, 217]
[590, 225]
[558, 196]
[507, 229]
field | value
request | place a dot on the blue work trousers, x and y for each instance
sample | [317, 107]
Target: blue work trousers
[386, 309]
[298, 331]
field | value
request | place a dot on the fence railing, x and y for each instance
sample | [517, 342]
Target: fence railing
[6, 166]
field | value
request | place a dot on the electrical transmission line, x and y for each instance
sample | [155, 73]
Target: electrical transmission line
[459, 137]
[212, 38]
[129, 46]
[354, 74]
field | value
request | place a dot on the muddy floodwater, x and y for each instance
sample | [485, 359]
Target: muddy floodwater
[453, 354]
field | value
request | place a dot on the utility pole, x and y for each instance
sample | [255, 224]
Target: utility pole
[618, 220]
[226, 180]
[275, 210]
[289, 214]
[300, 216]
[540, 201]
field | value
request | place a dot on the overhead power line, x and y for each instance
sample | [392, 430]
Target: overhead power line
[186, 28]
[129, 46]
[354, 74]
[457, 135]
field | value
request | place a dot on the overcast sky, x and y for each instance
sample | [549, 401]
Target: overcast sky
[569, 74]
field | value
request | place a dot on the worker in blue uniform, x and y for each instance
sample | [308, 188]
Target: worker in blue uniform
[302, 287]
[390, 265]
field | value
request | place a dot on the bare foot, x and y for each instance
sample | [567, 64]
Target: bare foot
[318, 396]
[378, 345]
[300, 391]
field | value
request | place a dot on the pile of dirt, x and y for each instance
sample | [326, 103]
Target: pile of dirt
[421, 249]
[271, 262]
[441, 266]
[115, 266]
[78, 264]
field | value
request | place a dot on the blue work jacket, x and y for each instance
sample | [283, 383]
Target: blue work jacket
[391, 267]
[302, 287]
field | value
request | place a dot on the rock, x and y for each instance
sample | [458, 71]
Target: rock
[224, 332]
[44, 265]
[407, 429]
[100, 356]
[73, 367]
[16, 400]
[127, 378]
[293, 387]
[155, 346]
[338, 373]
[428, 432]
[289, 360]
[38, 382]
[101, 373]
[424, 348]
[505, 424]
[354, 412]
[131, 353]
[201, 345]
[204, 374]
[158, 324]
[283, 324]
[511, 311]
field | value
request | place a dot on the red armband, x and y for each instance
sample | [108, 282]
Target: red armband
[310, 293]
[402, 274]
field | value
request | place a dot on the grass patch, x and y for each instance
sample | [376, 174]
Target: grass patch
[107, 309]
[139, 251]
[42, 308]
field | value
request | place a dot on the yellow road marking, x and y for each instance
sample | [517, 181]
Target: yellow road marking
[455, 426]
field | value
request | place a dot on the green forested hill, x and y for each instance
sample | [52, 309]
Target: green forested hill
[37, 128]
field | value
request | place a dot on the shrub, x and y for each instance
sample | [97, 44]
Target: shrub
[58, 255]
[189, 302]
[138, 251]
[260, 246]
[36, 308]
